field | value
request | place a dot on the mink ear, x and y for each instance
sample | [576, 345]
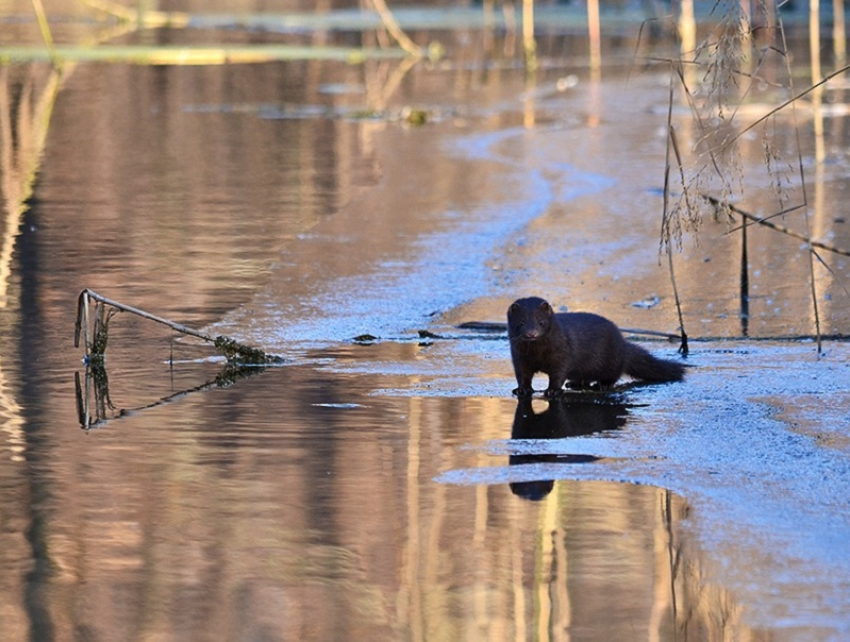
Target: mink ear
[514, 307]
[546, 307]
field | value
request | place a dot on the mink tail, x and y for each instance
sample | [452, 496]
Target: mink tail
[640, 364]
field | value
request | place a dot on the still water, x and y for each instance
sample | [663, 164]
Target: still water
[384, 491]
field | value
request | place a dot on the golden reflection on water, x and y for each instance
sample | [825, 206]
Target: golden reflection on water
[26, 100]
[249, 512]
[600, 559]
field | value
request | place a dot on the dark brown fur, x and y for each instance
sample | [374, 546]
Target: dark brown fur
[578, 347]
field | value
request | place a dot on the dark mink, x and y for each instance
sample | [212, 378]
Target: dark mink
[578, 347]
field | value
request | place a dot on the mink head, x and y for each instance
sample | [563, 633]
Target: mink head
[529, 319]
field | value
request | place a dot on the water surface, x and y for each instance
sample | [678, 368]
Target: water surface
[393, 489]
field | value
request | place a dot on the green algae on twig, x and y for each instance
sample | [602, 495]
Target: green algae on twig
[95, 334]
[235, 352]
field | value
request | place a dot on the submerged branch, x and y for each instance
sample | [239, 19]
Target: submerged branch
[500, 326]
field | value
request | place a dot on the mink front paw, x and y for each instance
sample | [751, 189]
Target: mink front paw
[523, 392]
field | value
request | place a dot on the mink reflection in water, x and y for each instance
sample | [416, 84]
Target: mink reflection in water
[560, 420]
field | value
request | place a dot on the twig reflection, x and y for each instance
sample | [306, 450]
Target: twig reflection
[95, 407]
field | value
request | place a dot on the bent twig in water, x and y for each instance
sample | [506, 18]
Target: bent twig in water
[95, 334]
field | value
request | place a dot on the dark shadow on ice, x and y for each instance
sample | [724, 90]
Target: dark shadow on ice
[563, 418]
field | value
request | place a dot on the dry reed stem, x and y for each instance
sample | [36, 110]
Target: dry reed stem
[763, 221]
[395, 30]
[717, 162]
[44, 28]
[811, 251]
